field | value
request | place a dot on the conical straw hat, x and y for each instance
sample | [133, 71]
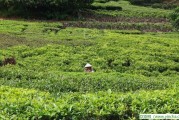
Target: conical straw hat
[88, 65]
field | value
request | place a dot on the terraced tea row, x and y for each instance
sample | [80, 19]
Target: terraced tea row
[56, 82]
[145, 27]
[18, 103]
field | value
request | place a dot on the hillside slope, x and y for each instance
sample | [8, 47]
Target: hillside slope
[134, 54]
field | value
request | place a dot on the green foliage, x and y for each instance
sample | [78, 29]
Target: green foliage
[18, 103]
[123, 60]
[55, 82]
[135, 72]
[175, 18]
[132, 11]
[106, 8]
[31, 4]
[144, 2]
[68, 50]
[43, 8]
[145, 27]
[164, 4]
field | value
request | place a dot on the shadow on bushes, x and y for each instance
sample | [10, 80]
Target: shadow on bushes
[105, 8]
[6, 61]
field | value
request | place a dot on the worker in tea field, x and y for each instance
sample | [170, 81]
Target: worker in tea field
[11, 61]
[88, 68]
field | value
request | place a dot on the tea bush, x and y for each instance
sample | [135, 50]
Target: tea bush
[175, 18]
[18, 103]
[105, 8]
[132, 11]
[164, 5]
[144, 2]
[68, 50]
[55, 82]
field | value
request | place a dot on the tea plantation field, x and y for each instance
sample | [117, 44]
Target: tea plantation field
[135, 59]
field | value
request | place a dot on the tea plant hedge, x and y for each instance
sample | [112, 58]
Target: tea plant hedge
[55, 82]
[175, 18]
[19, 103]
[144, 2]
[163, 4]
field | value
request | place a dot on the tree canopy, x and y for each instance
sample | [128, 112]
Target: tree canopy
[45, 7]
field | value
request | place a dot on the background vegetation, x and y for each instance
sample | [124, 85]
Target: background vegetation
[43, 8]
[165, 4]
[175, 18]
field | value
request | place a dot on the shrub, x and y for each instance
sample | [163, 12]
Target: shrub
[113, 8]
[175, 18]
[144, 2]
[42, 7]
[20, 103]
[164, 5]
[44, 3]
[96, 7]
[105, 8]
